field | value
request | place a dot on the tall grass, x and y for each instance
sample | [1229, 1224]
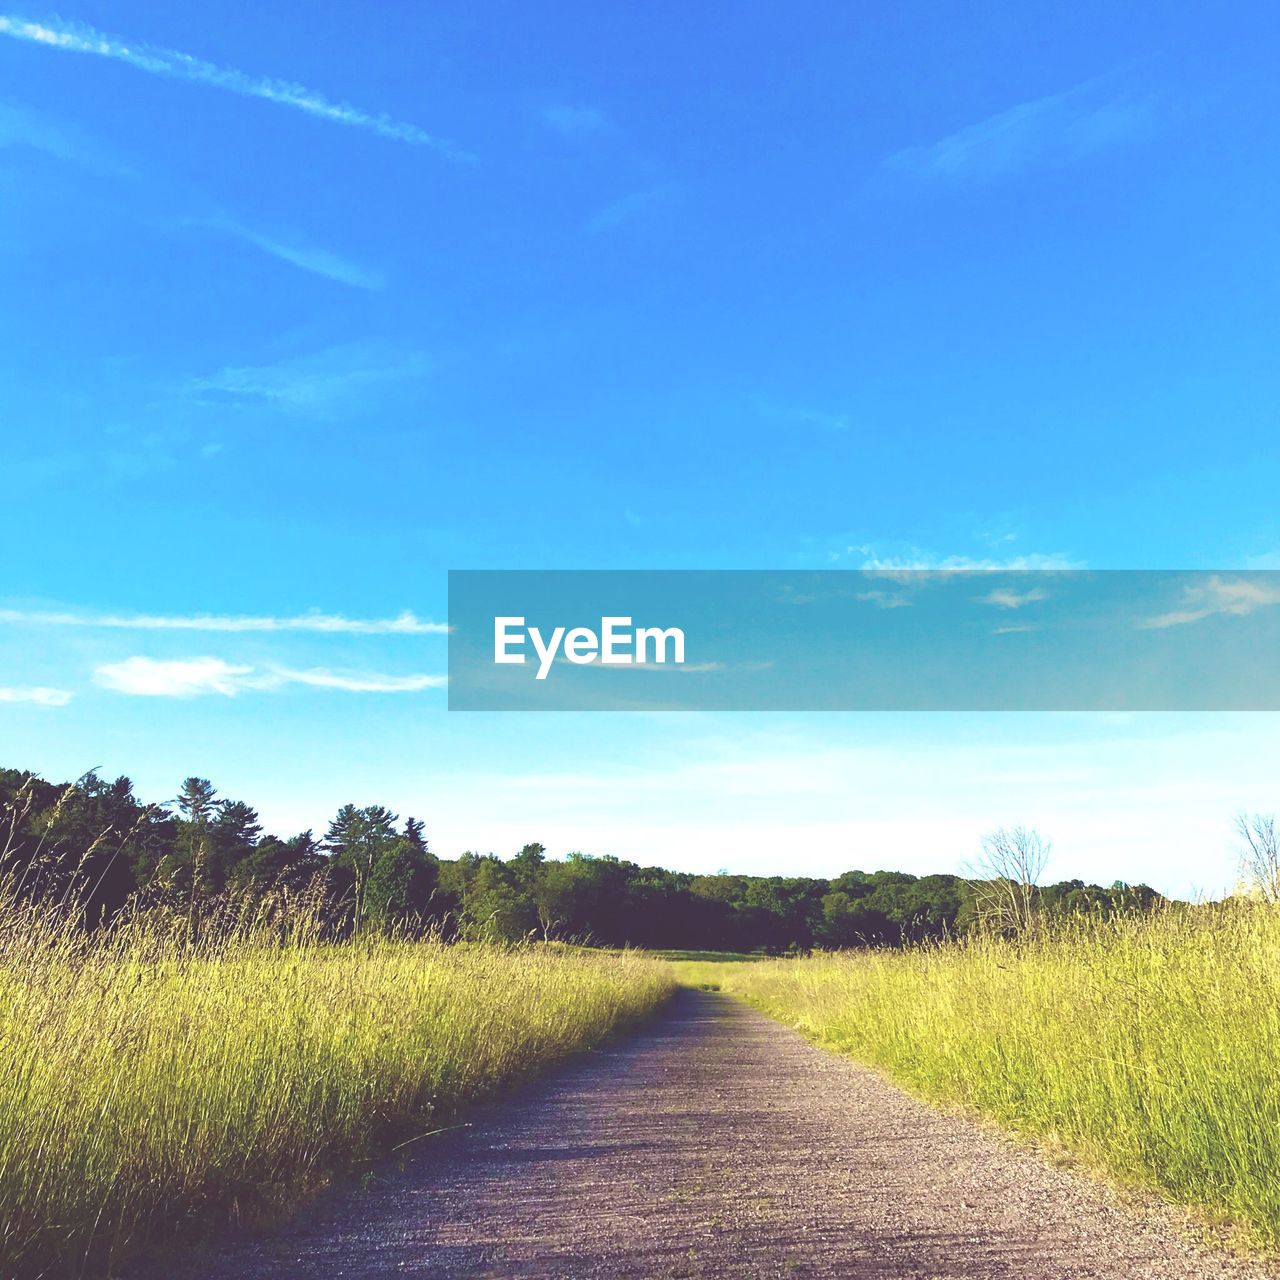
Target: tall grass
[1149, 1046]
[151, 1087]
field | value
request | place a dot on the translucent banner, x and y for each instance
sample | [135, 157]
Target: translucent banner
[910, 640]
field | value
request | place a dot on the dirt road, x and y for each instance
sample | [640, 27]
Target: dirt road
[715, 1142]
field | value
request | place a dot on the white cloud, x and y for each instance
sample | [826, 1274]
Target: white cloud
[576, 122]
[405, 623]
[80, 38]
[1054, 130]
[319, 262]
[41, 696]
[174, 678]
[1008, 598]
[195, 677]
[1236, 598]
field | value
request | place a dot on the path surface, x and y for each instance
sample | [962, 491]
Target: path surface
[716, 1142]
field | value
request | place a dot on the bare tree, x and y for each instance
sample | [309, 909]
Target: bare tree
[1005, 876]
[1259, 854]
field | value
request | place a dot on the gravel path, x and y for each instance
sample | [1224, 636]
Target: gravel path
[715, 1142]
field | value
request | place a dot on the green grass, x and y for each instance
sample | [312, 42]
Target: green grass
[713, 957]
[153, 1089]
[1148, 1047]
[705, 970]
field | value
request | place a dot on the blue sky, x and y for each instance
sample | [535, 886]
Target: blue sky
[302, 310]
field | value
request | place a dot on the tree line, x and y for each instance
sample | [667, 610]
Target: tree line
[93, 843]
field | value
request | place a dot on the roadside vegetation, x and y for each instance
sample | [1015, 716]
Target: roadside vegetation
[158, 1086]
[201, 1022]
[1149, 1046]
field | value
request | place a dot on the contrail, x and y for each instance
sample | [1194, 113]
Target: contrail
[79, 38]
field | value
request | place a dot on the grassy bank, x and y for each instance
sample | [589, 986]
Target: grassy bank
[1150, 1047]
[150, 1087]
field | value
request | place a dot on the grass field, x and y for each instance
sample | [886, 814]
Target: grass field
[704, 970]
[150, 1088]
[1149, 1047]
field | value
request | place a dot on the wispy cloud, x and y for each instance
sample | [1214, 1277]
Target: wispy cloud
[1266, 560]
[1054, 130]
[22, 127]
[803, 416]
[576, 122]
[115, 455]
[357, 682]
[1008, 598]
[317, 383]
[883, 599]
[41, 696]
[1219, 596]
[296, 253]
[323, 623]
[80, 38]
[631, 206]
[916, 561]
[197, 677]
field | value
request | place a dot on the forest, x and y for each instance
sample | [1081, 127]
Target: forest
[205, 857]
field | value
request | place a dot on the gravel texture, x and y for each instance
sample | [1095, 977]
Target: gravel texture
[716, 1142]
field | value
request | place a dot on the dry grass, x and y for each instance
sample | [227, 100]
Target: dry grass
[152, 1087]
